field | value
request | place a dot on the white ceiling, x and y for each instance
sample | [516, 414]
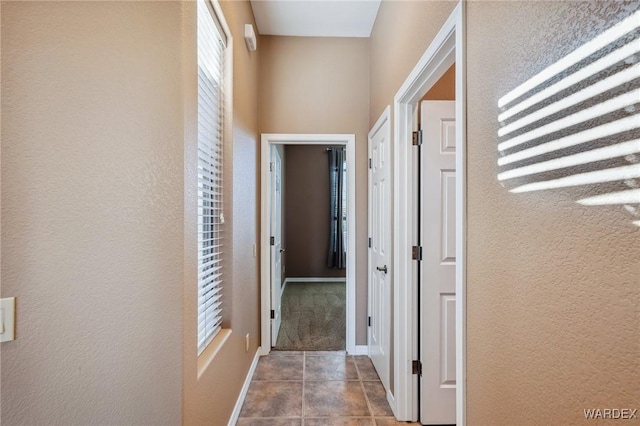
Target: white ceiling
[315, 18]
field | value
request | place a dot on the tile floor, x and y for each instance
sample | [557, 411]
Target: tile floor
[316, 389]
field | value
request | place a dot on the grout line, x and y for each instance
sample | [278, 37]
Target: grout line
[272, 418]
[353, 359]
[366, 398]
[364, 391]
[304, 377]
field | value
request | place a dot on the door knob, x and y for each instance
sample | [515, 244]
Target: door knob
[281, 250]
[383, 269]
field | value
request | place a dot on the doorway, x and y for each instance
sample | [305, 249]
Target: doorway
[269, 292]
[314, 236]
[446, 328]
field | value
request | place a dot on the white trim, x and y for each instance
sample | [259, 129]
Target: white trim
[461, 219]
[448, 47]
[243, 392]
[316, 280]
[391, 400]
[360, 350]
[267, 140]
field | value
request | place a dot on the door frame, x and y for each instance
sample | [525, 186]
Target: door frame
[267, 141]
[447, 48]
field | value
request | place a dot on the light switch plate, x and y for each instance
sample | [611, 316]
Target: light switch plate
[7, 319]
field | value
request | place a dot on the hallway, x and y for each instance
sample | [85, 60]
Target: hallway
[315, 388]
[136, 278]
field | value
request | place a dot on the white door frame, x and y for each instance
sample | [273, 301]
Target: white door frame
[267, 141]
[447, 48]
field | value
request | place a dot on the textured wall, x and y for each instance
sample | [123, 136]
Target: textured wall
[321, 85]
[92, 214]
[553, 287]
[210, 393]
[402, 32]
[307, 207]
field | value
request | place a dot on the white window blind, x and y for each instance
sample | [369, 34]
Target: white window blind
[211, 46]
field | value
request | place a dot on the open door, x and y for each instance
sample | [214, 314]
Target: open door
[276, 244]
[437, 286]
[380, 247]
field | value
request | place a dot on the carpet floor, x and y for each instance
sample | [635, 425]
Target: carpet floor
[313, 317]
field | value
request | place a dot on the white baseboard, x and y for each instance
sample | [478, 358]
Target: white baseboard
[360, 350]
[392, 402]
[245, 387]
[316, 280]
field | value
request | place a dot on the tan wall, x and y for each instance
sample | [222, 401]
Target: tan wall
[402, 32]
[445, 87]
[307, 207]
[553, 287]
[99, 124]
[92, 212]
[316, 85]
[209, 399]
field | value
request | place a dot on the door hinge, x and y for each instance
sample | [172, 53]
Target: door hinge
[369, 322]
[416, 252]
[271, 166]
[416, 367]
[417, 138]
[370, 163]
[272, 241]
[273, 314]
[369, 242]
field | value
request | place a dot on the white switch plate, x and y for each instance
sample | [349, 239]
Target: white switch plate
[7, 319]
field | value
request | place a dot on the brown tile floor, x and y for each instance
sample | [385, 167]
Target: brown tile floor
[316, 389]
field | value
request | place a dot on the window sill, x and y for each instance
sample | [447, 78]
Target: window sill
[210, 352]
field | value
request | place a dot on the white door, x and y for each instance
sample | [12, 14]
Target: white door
[276, 244]
[437, 273]
[380, 247]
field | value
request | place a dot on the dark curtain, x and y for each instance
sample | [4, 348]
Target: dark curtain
[337, 246]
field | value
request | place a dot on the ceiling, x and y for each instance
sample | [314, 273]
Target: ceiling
[315, 18]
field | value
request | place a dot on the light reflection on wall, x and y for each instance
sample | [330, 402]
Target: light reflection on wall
[577, 124]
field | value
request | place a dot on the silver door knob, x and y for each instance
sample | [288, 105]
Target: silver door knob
[383, 269]
[281, 250]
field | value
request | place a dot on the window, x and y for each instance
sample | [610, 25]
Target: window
[211, 51]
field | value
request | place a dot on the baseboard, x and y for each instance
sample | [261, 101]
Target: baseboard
[245, 387]
[392, 402]
[360, 350]
[316, 280]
